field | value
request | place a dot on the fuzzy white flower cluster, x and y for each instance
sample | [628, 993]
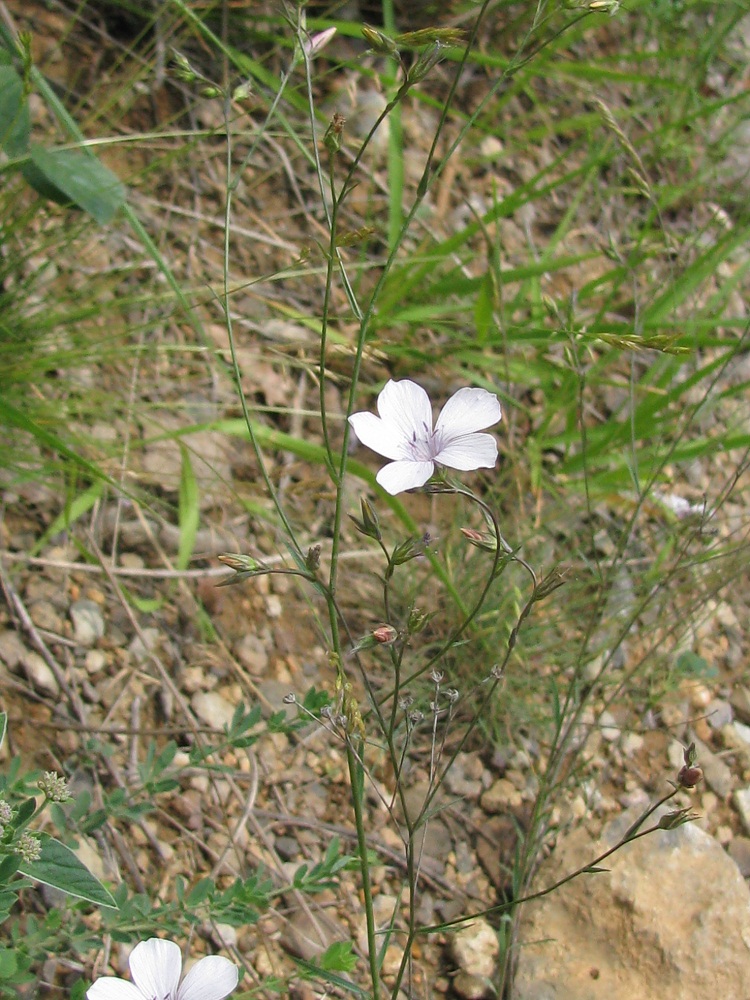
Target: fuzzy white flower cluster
[403, 432]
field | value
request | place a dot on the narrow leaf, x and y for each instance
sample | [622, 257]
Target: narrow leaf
[189, 510]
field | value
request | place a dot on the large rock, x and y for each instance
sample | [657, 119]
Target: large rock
[670, 919]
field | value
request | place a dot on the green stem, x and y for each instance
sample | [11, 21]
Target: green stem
[356, 774]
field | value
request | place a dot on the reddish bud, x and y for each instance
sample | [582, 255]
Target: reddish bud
[689, 776]
[385, 634]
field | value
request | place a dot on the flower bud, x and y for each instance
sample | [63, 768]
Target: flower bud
[369, 525]
[312, 560]
[481, 539]
[29, 847]
[332, 138]
[314, 43]
[689, 776]
[54, 787]
[379, 42]
[386, 635]
[238, 562]
[242, 92]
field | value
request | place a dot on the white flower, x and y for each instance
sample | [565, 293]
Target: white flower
[403, 432]
[155, 966]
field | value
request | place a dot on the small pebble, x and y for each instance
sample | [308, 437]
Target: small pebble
[39, 673]
[742, 804]
[95, 661]
[212, 709]
[88, 623]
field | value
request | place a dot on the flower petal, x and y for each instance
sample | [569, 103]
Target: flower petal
[112, 988]
[470, 451]
[468, 410]
[377, 435]
[406, 407]
[155, 966]
[408, 475]
[213, 978]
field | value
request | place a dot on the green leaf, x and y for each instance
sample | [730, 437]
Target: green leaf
[483, 308]
[15, 123]
[8, 964]
[310, 970]
[25, 811]
[189, 510]
[8, 867]
[338, 957]
[71, 177]
[3, 726]
[693, 665]
[60, 868]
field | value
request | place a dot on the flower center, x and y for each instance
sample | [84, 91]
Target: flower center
[424, 444]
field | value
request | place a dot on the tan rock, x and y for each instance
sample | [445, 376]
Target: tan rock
[670, 919]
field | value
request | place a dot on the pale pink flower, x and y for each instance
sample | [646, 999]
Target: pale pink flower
[314, 43]
[155, 967]
[404, 433]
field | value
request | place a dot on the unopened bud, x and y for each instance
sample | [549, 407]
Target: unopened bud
[54, 787]
[315, 43]
[385, 635]
[183, 70]
[332, 138]
[239, 563]
[369, 525]
[481, 539]
[29, 847]
[689, 776]
[379, 42]
[242, 92]
[312, 559]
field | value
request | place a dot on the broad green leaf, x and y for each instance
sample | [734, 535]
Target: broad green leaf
[74, 178]
[8, 867]
[60, 868]
[8, 963]
[15, 123]
[189, 510]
